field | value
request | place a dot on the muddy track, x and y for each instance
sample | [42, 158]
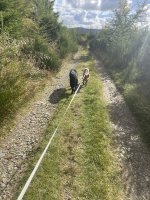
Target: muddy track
[21, 142]
[133, 155]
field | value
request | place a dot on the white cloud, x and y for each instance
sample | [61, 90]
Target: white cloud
[87, 13]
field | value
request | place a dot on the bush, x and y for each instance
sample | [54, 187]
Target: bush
[43, 53]
[12, 87]
[67, 42]
[11, 79]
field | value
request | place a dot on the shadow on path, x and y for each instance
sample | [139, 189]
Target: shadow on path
[57, 95]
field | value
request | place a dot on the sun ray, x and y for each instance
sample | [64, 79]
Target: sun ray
[99, 3]
[143, 47]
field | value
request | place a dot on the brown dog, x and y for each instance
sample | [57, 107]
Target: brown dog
[86, 76]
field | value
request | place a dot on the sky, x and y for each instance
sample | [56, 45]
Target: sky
[92, 14]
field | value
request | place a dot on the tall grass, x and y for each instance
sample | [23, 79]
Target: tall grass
[11, 79]
[15, 74]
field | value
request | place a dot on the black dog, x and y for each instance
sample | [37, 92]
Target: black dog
[73, 80]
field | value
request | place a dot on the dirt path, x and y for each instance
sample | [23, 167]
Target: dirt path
[21, 142]
[133, 155]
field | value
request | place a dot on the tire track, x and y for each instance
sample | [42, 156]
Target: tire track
[133, 155]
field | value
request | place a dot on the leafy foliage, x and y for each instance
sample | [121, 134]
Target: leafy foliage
[126, 49]
[30, 36]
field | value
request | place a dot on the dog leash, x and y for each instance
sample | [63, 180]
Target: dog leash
[25, 188]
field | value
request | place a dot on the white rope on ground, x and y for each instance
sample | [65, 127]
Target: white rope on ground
[44, 152]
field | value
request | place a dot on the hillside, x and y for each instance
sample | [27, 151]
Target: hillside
[81, 30]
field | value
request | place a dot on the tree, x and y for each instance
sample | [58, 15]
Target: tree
[124, 32]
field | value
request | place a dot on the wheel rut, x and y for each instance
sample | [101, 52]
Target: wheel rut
[133, 154]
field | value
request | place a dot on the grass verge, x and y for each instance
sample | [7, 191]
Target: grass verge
[80, 163]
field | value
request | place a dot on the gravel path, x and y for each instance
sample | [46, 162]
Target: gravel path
[19, 144]
[133, 155]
